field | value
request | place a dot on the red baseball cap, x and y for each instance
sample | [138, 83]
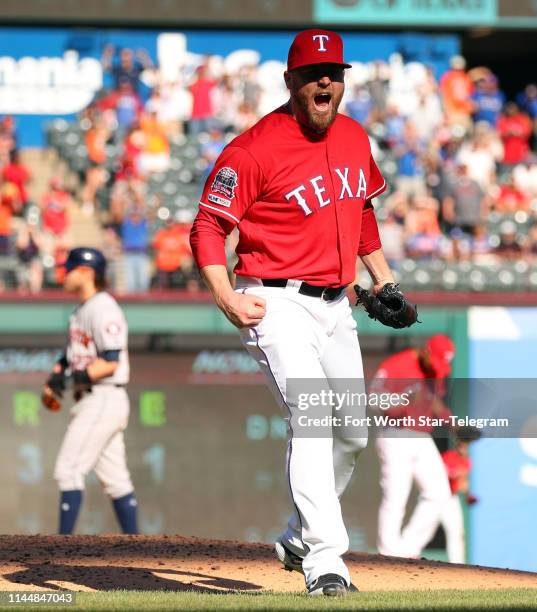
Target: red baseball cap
[441, 352]
[316, 47]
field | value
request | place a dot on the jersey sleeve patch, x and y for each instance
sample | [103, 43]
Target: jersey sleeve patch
[225, 182]
[112, 328]
[218, 200]
[233, 185]
[111, 335]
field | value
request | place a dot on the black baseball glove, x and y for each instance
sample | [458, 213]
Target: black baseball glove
[389, 306]
[467, 433]
[56, 383]
[81, 384]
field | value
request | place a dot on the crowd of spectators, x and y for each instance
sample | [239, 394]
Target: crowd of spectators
[460, 158]
[29, 232]
[464, 165]
[33, 233]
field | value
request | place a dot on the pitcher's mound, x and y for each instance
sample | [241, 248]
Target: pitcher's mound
[101, 563]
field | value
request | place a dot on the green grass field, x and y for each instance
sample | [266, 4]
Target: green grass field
[505, 599]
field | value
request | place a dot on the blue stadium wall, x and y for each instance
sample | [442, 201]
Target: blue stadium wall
[503, 346]
[17, 77]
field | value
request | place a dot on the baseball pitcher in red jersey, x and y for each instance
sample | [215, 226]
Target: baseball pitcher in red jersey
[299, 185]
[407, 451]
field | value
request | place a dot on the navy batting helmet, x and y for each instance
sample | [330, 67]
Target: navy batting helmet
[87, 257]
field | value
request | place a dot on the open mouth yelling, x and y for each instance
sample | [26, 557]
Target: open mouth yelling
[321, 102]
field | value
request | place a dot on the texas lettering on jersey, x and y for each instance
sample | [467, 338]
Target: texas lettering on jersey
[302, 193]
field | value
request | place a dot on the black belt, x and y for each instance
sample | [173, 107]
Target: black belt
[326, 293]
[97, 384]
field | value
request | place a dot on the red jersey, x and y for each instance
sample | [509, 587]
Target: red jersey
[510, 199]
[297, 197]
[458, 468]
[202, 105]
[55, 215]
[402, 373]
[19, 175]
[515, 132]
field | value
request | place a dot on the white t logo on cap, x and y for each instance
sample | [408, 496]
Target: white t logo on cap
[321, 38]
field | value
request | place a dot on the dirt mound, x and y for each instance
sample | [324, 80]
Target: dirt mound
[101, 563]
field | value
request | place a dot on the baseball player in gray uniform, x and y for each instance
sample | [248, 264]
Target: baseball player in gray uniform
[96, 361]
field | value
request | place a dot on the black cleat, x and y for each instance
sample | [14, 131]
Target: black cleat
[291, 562]
[330, 585]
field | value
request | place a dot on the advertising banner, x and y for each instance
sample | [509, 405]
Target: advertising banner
[436, 13]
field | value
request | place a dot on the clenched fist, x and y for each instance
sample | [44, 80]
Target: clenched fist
[243, 309]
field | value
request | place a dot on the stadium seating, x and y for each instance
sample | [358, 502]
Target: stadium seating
[179, 188]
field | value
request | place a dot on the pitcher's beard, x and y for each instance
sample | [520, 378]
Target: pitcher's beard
[317, 121]
[320, 122]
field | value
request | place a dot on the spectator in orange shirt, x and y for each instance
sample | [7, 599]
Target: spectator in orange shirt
[173, 253]
[10, 204]
[155, 154]
[457, 89]
[96, 138]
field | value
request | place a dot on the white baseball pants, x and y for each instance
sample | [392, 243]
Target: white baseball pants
[304, 337]
[94, 440]
[452, 520]
[406, 455]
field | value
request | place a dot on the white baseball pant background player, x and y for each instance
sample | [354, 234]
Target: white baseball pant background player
[452, 521]
[406, 455]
